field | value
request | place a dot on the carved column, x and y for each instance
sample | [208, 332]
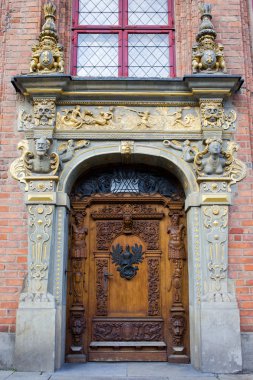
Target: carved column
[177, 257]
[77, 311]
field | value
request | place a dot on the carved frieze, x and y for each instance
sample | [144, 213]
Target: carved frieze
[153, 286]
[127, 331]
[128, 119]
[101, 286]
[148, 230]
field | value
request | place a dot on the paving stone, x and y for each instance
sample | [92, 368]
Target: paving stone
[29, 376]
[164, 369]
[5, 374]
[236, 377]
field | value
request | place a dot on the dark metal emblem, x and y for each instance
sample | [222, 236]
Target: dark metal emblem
[125, 259]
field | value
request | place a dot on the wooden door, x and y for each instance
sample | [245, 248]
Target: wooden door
[128, 294]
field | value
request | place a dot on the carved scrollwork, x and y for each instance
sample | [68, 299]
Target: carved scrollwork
[127, 331]
[215, 223]
[154, 286]
[148, 230]
[17, 168]
[39, 161]
[106, 232]
[101, 288]
[213, 115]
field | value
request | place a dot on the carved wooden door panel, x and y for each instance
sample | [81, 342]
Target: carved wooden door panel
[128, 281]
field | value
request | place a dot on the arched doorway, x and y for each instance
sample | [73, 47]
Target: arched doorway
[127, 296]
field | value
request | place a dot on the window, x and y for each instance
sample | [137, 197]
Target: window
[123, 38]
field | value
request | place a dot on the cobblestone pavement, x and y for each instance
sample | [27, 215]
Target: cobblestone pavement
[123, 371]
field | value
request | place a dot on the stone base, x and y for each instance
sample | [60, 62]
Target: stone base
[247, 351]
[220, 337]
[35, 339]
[7, 342]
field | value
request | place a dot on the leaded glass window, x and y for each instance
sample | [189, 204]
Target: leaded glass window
[123, 38]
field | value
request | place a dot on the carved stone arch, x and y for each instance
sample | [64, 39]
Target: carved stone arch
[143, 153]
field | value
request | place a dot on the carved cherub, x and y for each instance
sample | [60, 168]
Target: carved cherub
[67, 150]
[188, 151]
[213, 159]
[40, 161]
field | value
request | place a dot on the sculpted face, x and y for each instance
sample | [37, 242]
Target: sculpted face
[212, 113]
[41, 146]
[215, 147]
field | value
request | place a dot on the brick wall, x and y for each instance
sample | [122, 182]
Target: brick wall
[20, 23]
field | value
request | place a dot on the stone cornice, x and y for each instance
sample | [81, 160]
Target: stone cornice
[189, 88]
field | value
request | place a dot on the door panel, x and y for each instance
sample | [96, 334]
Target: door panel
[134, 292]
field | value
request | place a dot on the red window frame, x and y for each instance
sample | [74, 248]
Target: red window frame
[123, 30]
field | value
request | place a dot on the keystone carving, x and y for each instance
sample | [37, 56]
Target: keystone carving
[207, 55]
[47, 54]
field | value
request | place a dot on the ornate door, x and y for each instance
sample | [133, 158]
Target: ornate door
[127, 280]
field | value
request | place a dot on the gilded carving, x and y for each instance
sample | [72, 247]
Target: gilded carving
[127, 331]
[207, 54]
[214, 187]
[127, 147]
[67, 149]
[213, 115]
[124, 118]
[41, 186]
[17, 168]
[213, 160]
[101, 287]
[44, 112]
[188, 151]
[47, 54]
[39, 161]
[153, 286]
[237, 169]
[76, 118]
[39, 222]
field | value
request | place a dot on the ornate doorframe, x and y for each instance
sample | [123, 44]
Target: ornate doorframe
[197, 147]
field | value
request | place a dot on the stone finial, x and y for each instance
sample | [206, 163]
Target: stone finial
[47, 54]
[207, 55]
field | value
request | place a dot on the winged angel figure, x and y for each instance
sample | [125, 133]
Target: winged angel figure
[125, 260]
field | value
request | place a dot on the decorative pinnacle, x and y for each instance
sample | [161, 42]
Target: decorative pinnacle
[49, 28]
[206, 27]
